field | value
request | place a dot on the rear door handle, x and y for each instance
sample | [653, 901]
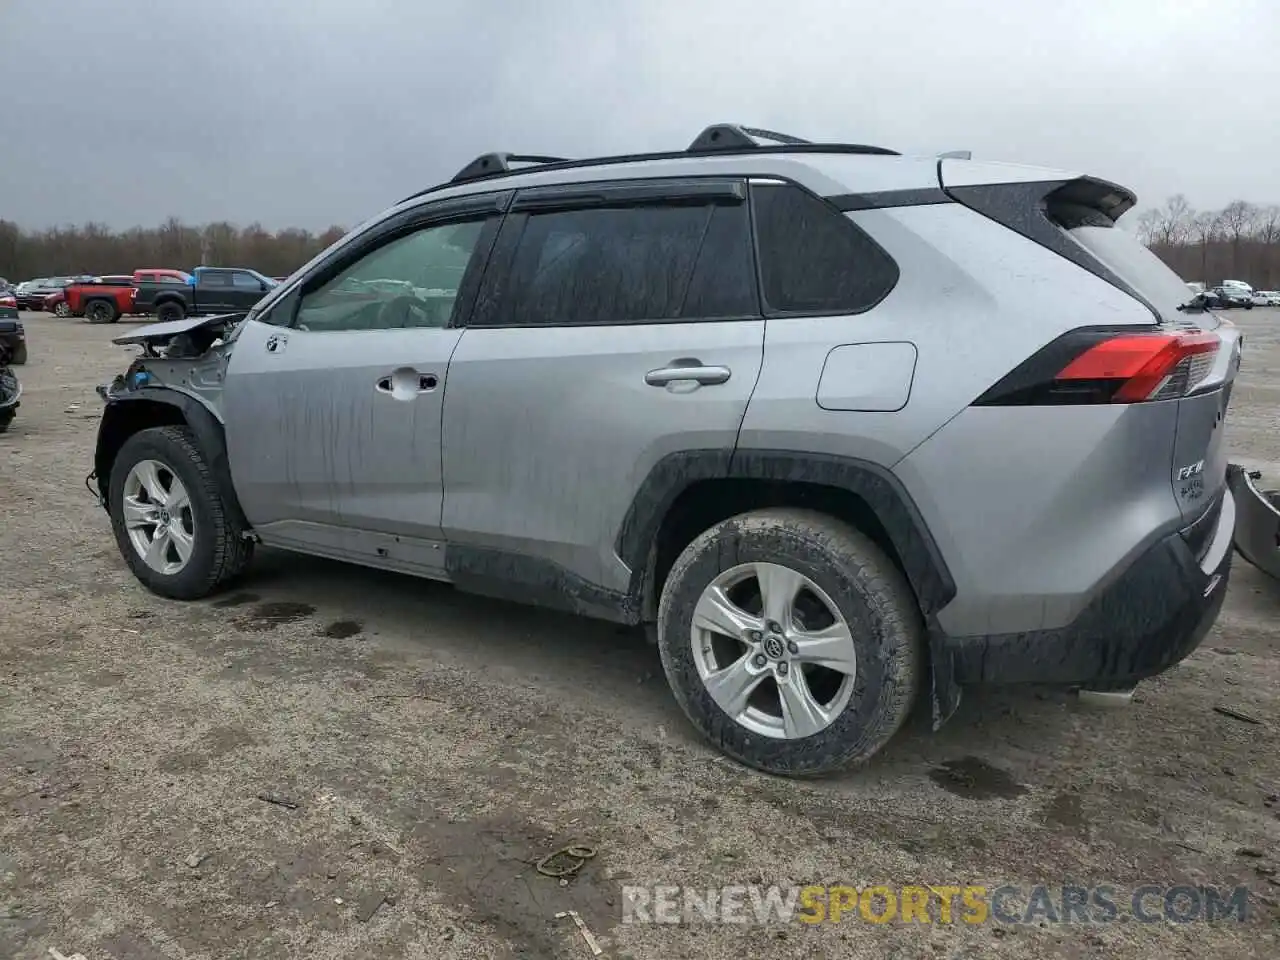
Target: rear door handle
[687, 369]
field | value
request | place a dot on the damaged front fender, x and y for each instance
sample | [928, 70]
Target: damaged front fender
[1257, 533]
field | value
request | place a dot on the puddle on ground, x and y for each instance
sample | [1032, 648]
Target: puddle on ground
[237, 600]
[341, 629]
[272, 614]
[976, 779]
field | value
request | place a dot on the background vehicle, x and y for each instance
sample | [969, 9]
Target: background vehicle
[160, 275]
[31, 295]
[1234, 297]
[13, 338]
[10, 388]
[785, 404]
[1266, 298]
[101, 300]
[210, 290]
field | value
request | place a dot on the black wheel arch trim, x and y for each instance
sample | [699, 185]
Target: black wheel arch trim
[210, 436]
[884, 494]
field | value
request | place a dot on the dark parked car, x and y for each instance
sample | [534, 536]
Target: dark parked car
[12, 335]
[1233, 297]
[211, 290]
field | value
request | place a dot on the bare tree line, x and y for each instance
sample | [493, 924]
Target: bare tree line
[1239, 242]
[95, 249]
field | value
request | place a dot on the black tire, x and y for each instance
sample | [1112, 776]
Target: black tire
[62, 310]
[170, 311]
[220, 552]
[6, 418]
[871, 594]
[100, 311]
[19, 355]
[1248, 306]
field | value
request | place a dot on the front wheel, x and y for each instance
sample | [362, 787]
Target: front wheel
[791, 641]
[170, 520]
[6, 418]
[19, 355]
[62, 310]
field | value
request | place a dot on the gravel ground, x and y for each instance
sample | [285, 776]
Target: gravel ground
[433, 746]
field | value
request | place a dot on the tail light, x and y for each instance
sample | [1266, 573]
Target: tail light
[1101, 365]
[7, 301]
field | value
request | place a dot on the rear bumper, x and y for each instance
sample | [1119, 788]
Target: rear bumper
[1149, 619]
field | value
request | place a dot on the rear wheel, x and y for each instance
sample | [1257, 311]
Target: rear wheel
[791, 641]
[170, 311]
[19, 355]
[169, 518]
[6, 418]
[100, 311]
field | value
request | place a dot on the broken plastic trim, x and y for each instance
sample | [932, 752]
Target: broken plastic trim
[1257, 531]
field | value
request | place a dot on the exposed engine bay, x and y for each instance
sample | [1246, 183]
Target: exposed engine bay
[188, 355]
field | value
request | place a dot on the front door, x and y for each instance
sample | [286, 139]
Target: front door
[333, 406]
[618, 324]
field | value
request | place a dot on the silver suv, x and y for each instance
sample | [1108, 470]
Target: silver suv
[835, 423]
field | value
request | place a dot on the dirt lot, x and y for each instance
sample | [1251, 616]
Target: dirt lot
[434, 746]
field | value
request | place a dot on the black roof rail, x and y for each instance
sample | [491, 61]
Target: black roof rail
[731, 136]
[718, 138]
[489, 164]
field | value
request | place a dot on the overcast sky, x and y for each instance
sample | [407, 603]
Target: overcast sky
[312, 112]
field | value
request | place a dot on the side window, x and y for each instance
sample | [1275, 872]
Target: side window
[214, 279]
[246, 281]
[629, 265]
[412, 281]
[813, 259]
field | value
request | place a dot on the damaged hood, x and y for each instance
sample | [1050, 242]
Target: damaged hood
[157, 334]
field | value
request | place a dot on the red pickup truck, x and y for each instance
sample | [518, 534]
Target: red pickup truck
[101, 300]
[105, 299]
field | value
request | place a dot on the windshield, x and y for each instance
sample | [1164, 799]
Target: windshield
[270, 283]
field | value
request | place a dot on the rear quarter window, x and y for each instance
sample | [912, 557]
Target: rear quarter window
[814, 259]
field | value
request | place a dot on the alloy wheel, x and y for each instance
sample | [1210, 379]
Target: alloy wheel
[158, 518]
[773, 650]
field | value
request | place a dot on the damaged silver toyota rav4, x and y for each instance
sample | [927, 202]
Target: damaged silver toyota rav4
[841, 426]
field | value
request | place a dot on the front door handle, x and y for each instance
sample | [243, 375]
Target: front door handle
[403, 384]
[687, 369]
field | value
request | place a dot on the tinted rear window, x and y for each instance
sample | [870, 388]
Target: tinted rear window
[814, 259]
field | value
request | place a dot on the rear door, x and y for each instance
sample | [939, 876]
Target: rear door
[334, 396]
[618, 323]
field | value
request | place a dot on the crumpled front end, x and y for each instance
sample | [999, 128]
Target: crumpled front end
[1257, 532]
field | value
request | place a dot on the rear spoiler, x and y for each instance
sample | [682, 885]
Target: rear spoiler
[1042, 210]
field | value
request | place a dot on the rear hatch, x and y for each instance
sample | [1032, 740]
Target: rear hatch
[1076, 217]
